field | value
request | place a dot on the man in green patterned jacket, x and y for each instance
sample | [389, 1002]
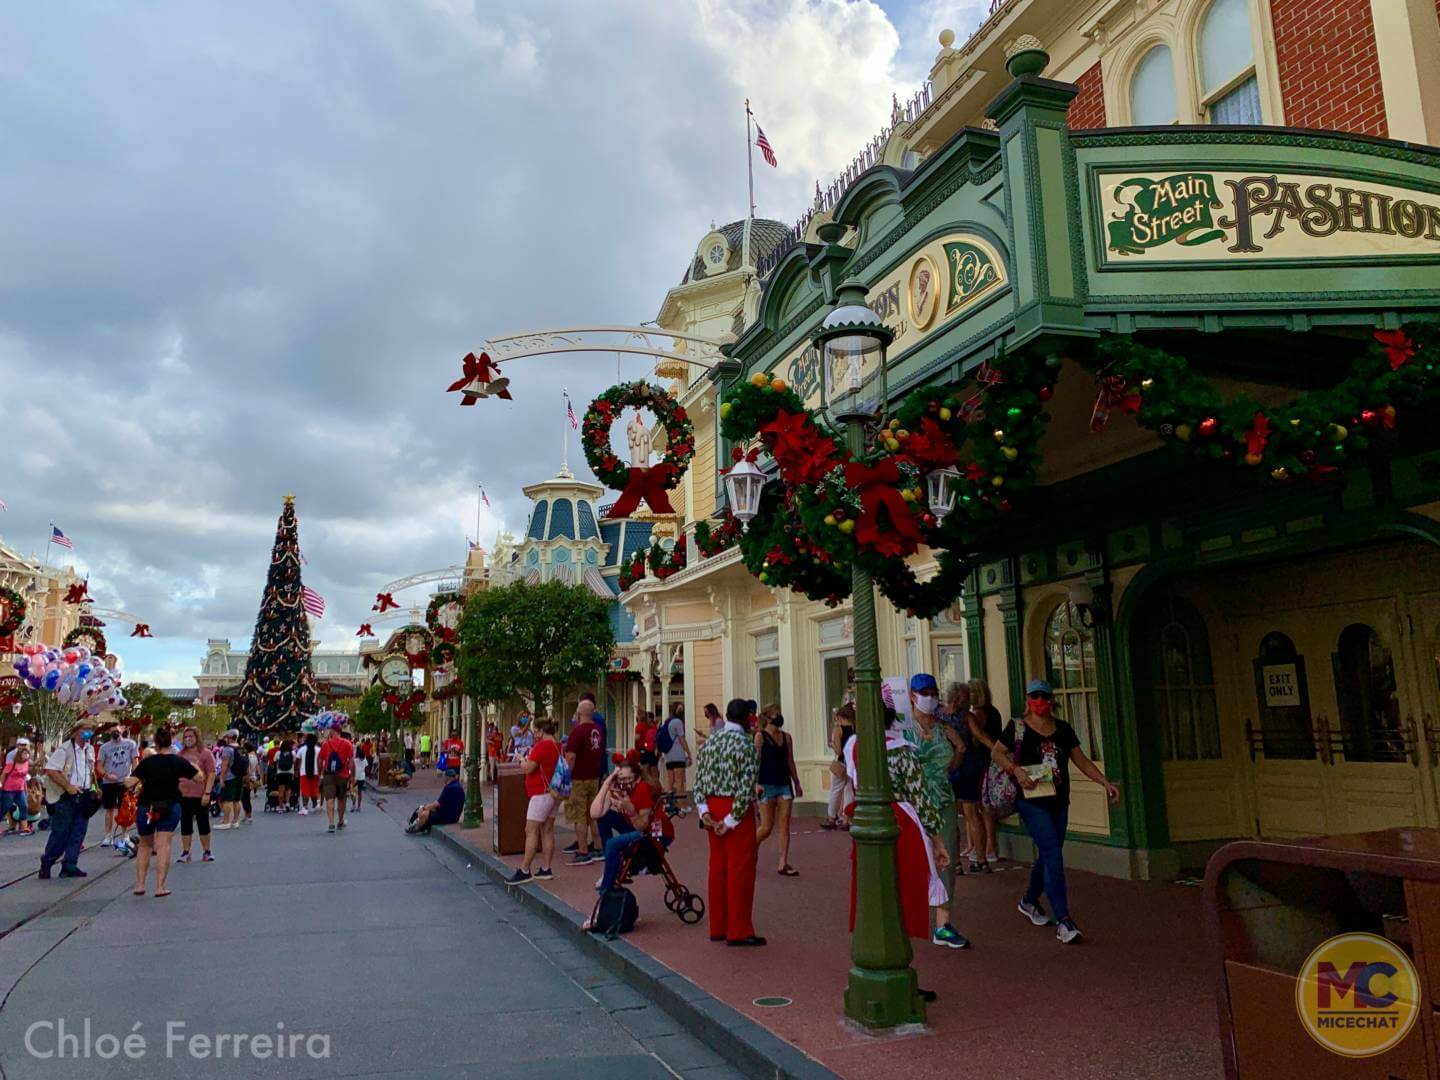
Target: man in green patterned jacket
[724, 794]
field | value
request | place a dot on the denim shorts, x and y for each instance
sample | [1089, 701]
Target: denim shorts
[15, 802]
[152, 819]
[771, 792]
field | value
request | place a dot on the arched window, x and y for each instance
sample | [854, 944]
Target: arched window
[1229, 91]
[1181, 681]
[1365, 693]
[1152, 89]
[1070, 669]
[217, 665]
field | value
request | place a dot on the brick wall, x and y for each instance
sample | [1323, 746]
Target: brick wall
[1088, 108]
[1329, 72]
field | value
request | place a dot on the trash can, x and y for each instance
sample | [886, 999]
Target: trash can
[385, 764]
[1326, 955]
[507, 817]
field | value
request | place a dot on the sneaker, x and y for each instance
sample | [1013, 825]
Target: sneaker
[1034, 912]
[75, 871]
[951, 938]
[303, 812]
[1066, 932]
[544, 875]
[520, 877]
[330, 828]
[583, 858]
[105, 842]
[207, 857]
[341, 825]
[572, 848]
[184, 856]
[44, 874]
[992, 859]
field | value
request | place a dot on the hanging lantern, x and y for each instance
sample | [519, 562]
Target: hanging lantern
[743, 483]
[852, 341]
[942, 488]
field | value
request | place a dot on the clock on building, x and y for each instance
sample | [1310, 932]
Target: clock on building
[715, 251]
[395, 672]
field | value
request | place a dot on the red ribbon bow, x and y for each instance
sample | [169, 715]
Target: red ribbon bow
[651, 485]
[384, 602]
[141, 630]
[1258, 435]
[474, 368]
[79, 593]
[1398, 347]
[1113, 394]
[365, 631]
[878, 488]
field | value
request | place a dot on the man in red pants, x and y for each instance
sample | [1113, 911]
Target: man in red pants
[724, 793]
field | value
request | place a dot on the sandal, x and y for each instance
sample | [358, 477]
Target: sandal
[788, 871]
[137, 892]
[158, 895]
[829, 824]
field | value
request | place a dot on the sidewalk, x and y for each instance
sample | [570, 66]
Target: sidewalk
[1133, 1000]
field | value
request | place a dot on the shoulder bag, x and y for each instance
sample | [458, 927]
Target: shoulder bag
[999, 791]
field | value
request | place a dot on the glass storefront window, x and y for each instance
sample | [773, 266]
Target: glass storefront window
[1365, 691]
[1181, 681]
[1070, 670]
[949, 666]
[836, 678]
[767, 683]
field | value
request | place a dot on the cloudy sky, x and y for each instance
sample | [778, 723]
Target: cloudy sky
[245, 246]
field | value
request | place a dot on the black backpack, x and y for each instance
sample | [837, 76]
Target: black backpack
[239, 763]
[285, 762]
[615, 913]
[334, 764]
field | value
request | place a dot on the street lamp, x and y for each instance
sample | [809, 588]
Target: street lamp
[941, 489]
[882, 990]
[744, 482]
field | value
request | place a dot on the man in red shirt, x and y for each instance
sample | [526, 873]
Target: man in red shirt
[585, 754]
[633, 799]
[337, 766]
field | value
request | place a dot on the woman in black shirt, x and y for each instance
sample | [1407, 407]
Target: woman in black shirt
[158, 813]
[1047, 747]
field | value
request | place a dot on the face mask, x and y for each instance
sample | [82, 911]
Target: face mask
[87, 735]
[926, 703]
[1041, 706]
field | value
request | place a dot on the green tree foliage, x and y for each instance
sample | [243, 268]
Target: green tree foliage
[151, 701]
[530, 639]
[366, 713]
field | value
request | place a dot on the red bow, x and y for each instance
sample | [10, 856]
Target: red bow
[1113, 394]
[1258, 435]
[930, 447]
[1398, 347]
[651, 485]
[477, 369]
[365, 631]
[141, 630]
[804, 455]
[973, 471]
[79, 593]
[384, 601]
[878, 487]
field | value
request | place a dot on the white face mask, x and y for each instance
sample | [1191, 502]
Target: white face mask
[926, 703]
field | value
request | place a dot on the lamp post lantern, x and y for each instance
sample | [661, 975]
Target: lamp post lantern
[882, 990]
[744, 482]
[474, 796]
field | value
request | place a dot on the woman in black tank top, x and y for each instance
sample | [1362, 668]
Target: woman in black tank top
[778, 782]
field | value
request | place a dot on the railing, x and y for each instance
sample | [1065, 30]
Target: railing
[1329, 745]
[828, 196]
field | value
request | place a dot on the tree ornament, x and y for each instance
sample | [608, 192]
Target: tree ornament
[1183, 432]
[1208, 427]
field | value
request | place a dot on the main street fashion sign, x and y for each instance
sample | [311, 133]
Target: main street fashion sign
[1165, 216]
[942, 281]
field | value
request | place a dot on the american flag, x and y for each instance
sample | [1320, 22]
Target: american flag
[312, 601]
[486, 498]
[569, 411]
[764, 145]
[59, 539]
[3, 505]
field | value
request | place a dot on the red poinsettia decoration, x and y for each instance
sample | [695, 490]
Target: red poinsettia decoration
[1398, 347]
[1258, 437]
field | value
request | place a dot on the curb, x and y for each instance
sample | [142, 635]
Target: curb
[751, 1048]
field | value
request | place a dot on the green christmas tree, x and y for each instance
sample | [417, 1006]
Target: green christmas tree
[279, 687]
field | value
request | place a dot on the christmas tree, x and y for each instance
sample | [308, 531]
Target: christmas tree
[279, 687]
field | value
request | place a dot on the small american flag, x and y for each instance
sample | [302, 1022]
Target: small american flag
[4, 505]
[765, 151]
[569, 412]
[486, 498]
[59, 539]
[312, 601]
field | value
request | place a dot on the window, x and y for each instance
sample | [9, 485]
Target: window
[217, 665]
[767, 684]
[1152, 90]
[949, 666]
[322, 667]
[837, 678]
[1365, 692]
[1229, 91]
[1282, 696]
[1070, 669]
[1181, 681]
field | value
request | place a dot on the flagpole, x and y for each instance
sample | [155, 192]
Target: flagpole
[750, 176]
[479, 494]
[565, 436]
[46, 563]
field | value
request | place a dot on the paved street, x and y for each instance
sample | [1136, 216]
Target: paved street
[410, 964]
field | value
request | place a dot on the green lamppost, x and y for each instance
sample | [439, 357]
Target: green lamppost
[474, 796]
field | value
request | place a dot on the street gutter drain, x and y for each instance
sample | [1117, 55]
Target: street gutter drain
[772, 1002]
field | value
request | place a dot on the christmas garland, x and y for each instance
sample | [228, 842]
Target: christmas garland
[14, 608]
[635, 484]
[722, 537]
[828, 508]
[444, 653]
[421, 657]
[1313, 436]
[662, 563]
[97, 636]
[432, 614]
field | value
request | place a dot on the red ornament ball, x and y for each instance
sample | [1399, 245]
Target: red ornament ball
[1208, 427]
[1045, 393]
[1369, 417]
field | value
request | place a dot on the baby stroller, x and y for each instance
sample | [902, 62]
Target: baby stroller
[647, 856]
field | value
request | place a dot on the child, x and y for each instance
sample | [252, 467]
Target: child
[362, 769]
[14, 779]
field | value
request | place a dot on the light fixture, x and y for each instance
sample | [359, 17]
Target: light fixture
[942, 489]
[15, 707]
[744, 481]
[852, 342]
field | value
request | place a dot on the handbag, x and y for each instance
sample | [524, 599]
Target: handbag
[125, 812]
[999, 791]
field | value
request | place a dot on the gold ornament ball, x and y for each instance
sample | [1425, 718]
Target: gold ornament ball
[725, 410]
[1183, 432]
[1146, 384]
[945, 413]
[829, 519]
[1254, 458]
[1339, 432]
[847, 526]
[997, 481]
[894, 425]
[1280, 473]
[902, 434]
[907, 494]
[1010, 453]
[999, 434]
[759, 379]
[778, 385]
[892, 445]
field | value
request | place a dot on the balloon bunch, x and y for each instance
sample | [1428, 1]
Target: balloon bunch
[77, 678]
[325, 720]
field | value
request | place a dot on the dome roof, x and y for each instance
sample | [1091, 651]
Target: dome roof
[766, 235]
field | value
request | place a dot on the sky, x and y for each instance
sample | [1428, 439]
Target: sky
[247, 244]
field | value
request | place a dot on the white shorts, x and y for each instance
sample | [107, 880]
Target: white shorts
[541, 808]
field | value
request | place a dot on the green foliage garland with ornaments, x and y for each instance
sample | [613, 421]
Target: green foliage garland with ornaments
[12, 611]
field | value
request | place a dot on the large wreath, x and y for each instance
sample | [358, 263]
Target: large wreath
[828, 508]
[636, 484]
[95, 634]
[1312, 436]
[12, 611]
[433, 615]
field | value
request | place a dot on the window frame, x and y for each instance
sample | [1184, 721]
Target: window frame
[1091, 741]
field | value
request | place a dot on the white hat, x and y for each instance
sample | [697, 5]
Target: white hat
[22, 741]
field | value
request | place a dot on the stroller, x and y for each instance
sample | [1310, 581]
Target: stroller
[647, 856]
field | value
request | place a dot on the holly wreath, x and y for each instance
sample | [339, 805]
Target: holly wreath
[94, 633]
[636, 484]
[432, 614]
[12, 608]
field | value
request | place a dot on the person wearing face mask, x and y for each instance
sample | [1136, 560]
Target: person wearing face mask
[195, 795]
[1037, 751]
[521, 737]
[939, 748]
[69, 773]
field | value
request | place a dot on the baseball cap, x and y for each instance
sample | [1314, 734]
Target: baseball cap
[923, 683]
[22, 741]
[1039, 686]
